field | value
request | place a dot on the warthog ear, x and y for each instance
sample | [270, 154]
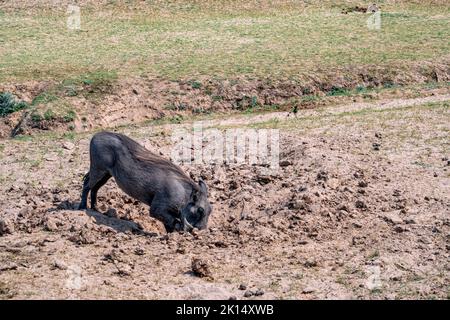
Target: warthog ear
[203, 186]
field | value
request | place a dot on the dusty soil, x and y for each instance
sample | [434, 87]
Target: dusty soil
[359, 209]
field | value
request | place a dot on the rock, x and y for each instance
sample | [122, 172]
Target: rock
[357, 225]
[333, 183]
[263, 179]
[248, 293]
[259, 292]
[343, 207]
[285, 163]
[200, 268]
[308, 290]
[8, 266]
[307, 199]
[68, 145]
[83, 237]
[410, 221]
[139, 251]
[58, 264]
[360, 204]
[310, 263]
[51, 224]
[363, 184]
[232, 298]
[123, 269]
[6, 226]
[322, 175]
[400, 229]
[51, 157]
[242, 287]
[376, 146]
[393, 218]
[181, 250]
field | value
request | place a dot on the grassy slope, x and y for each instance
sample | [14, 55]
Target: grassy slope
[188, 40]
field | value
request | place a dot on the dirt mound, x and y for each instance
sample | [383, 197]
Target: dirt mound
[136, 100]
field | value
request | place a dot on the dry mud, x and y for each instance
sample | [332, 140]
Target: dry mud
[359, 209]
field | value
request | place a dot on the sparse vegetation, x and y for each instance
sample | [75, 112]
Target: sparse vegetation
[8, 104]
[215, 39]
[69, 116]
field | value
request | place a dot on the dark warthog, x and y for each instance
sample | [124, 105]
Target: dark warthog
[173, 197]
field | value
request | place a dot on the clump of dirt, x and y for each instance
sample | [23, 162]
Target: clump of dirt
[324, 225]
[361, 9]
[201, 269]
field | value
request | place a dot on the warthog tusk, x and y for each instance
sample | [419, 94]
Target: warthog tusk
[186, 224]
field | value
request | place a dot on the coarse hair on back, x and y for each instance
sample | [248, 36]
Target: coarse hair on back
[148, 158]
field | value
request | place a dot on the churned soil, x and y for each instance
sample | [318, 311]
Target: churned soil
[359, 209]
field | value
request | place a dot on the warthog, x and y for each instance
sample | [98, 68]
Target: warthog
[173, 197]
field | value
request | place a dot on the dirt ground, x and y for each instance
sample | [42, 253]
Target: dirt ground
[359, 209]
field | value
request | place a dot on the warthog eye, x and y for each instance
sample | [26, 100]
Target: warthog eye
[201, 211]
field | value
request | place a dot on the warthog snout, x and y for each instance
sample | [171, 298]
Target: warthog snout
[197, 211]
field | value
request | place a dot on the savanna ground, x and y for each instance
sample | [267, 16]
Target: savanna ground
[358, 209]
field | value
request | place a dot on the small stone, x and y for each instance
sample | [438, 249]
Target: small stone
[360, 204]
[322, 175]
[310, 263]
[363, 184]
[68, 145]
[6, 226]
[200, 268]
[51, 224]
[357, 225]
[285, 163]
[9, 266]
[58, 264]
[181, 250]
[400, 229]
[393, 218]
[308, 290]
[51, 157]
[139, 251]
[263, 179]
[248, 293]
[259, 292]
[242, 287]
[410, 221]
[124, 269]
[232, 298]
[333, 183]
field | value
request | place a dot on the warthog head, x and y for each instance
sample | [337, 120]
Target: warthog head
[198, 209]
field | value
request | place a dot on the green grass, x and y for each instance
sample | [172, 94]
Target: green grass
[214, 39]
[8, 104]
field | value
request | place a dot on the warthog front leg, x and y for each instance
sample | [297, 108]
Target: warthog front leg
[163, 214]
